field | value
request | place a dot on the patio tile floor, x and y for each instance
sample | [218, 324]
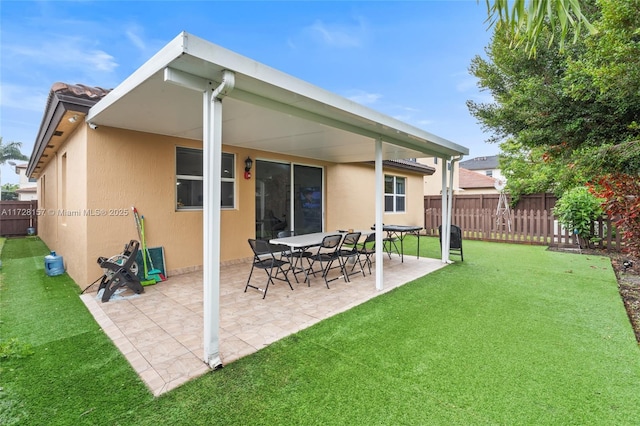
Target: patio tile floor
[160, 331]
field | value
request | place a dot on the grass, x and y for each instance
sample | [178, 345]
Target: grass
[513, 335]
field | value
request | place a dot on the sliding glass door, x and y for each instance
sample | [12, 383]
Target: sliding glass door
[308, 203]
[288, 197]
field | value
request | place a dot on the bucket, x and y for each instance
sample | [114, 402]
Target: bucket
[53, 264]
[31, 231]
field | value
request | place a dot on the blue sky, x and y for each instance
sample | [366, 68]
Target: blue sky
[408, 60]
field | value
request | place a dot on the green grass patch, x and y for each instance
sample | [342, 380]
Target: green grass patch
[515, 334]
[56, 364]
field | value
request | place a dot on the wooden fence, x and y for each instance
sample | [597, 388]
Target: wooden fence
[526, 227]
[16, 217]
[540, 201]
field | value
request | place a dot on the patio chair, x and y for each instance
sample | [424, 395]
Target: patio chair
[265, 259]
[368, 250]
[326, 254]
[349, 251]
[455, 243]
[389, 242]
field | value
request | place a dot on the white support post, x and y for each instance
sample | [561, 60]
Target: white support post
[212, 154]
[450, 206]
[379, 177]
[445, 233]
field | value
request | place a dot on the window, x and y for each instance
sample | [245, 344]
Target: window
[394, 193]
[488, 173]
[189, 179]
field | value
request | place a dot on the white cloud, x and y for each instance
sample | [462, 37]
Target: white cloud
[339, 35]
[135, 38]
[65, 53]
[22, 97]
[364, 98]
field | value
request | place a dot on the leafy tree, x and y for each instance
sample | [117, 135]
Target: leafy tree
[569, 129]
[9, 193]
[11, 151]
[526, 21]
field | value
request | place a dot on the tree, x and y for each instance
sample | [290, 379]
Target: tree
[571, 122]
[569, 116]
[8, 192]
[11, 151]
[526, 21]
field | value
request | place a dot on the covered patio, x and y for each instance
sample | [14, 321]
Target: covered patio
[196, 90]
[160, 331]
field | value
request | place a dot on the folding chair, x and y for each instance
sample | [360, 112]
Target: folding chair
[455, 243]
[327, 254]
[349, 250]
[368, 250]
[264, 258]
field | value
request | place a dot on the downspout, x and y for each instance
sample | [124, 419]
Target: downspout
[212, 153]
[444, 238]
[450, 203]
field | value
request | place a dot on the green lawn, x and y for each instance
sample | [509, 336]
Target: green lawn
[513, 335]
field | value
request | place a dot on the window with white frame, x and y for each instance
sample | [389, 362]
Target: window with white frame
[189, 179]
[395, 193]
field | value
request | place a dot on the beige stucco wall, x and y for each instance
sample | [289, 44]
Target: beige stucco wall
[351, 198]
[433, 183]
[62, 224]
[116, 169]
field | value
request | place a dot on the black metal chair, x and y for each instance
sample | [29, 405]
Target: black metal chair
[265, 259]
[368, 250]
[389, 242]
[455, 243]
[326, 254]
[349, 250]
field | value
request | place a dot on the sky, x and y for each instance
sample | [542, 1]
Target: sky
[408, 60]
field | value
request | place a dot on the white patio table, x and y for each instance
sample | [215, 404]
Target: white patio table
[300, 243]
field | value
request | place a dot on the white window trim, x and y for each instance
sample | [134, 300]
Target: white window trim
[201, 178]
[395, 195]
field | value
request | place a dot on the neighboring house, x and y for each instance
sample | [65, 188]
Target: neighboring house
[27, 190]
[474, 176]
[433, 185]
[175, 139]
[488, 166]
[476, 183]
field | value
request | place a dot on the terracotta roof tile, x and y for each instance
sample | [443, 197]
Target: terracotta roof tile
[79, 90]
[469, 179]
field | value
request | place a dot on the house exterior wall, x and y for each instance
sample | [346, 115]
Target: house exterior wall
[351, 192]
[433, 183]
[62, 186]
[109, 170]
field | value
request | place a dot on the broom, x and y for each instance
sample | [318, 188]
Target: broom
[147, 280]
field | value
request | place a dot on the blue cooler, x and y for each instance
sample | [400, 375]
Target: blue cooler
[53, 264]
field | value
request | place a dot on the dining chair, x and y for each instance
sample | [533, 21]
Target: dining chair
[349, 251]
[368, 250]
[265, 259]
[326, 255]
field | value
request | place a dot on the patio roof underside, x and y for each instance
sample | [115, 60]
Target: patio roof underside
[267, 110]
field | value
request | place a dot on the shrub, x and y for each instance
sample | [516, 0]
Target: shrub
[621, 201]
[577, 209]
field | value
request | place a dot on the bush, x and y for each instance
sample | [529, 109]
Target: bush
[621, 199]
[577, 209]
